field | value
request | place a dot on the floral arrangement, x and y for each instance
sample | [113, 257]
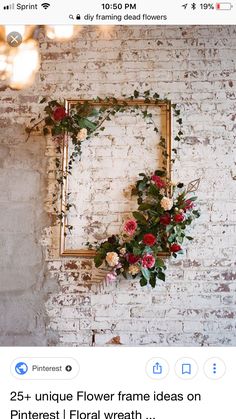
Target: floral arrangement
[159, 226]
[165, 210]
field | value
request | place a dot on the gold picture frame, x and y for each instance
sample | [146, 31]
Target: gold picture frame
[166, 126]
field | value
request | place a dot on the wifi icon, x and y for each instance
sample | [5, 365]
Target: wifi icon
[45, 5]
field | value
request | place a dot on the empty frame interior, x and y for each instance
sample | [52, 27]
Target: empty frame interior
[102, 179]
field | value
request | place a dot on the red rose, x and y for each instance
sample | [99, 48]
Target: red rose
[188, 205]
[165, 219]
[149, 239]
[175, 247]
[178, 218]
[132, 259]
[59, 113]
[158, 181]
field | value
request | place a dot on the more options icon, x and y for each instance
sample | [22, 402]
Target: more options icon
[214, 368]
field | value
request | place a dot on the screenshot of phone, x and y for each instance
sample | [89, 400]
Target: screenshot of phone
[117, 209]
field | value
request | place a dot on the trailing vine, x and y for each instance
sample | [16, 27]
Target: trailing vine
[84, 121]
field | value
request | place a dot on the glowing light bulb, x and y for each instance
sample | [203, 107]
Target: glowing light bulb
[25, 64]
[60, 31]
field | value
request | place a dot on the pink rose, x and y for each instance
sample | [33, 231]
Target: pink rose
[148, 261]
[130, 227]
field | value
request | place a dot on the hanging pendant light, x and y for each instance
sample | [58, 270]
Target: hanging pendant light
[25, 62]
[20, 63]
[60, 32]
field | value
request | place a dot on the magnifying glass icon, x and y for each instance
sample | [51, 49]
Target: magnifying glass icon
[71, 17]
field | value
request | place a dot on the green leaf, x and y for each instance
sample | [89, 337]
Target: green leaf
[144, 207]
[160, 263]
[137, 251]
[159, 173]
[153, 190]
[139, 217]
[49, 121]
[148, 249]
[98, 260]
[143, 282]
[48, 110]
[153, 281]
[141, 186]
[86, 123]
[189, 238]
[43, 100]
[136, 94]
[145, 273]
[161, 276]
[142, 174]
[172, 238]
[57, 130]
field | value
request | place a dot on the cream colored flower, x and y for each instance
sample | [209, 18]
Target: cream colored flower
[82, 134]
[112, 259]
[166, 203]
[123, 251]
[162, 191]
[174, 183]
[134, 269]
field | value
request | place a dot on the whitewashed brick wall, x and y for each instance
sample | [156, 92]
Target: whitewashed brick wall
[193, 66]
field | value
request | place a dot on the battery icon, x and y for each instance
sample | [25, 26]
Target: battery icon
[224, 6]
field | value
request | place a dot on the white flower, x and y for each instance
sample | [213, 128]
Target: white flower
[134, 269]
[123, 251]
[166, 203]
[112, 259]
[82, 134]
[162, 191]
